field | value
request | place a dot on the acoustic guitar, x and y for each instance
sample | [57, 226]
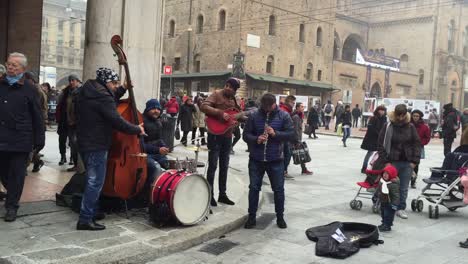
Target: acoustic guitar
[219, 127]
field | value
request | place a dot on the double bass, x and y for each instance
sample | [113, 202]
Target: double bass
[126, 164]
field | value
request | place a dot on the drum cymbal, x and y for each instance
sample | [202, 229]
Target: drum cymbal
[195, 149]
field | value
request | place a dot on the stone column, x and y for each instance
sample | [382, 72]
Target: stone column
[139, 23]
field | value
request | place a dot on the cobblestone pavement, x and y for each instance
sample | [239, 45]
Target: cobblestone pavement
[323, 198]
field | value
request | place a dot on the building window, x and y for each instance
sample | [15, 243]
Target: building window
[272, 26]
[301, 33]
[465, 42]
[176, 66]
[172, 28]
[270, 64]
[319, 37]
[222, 20]
[319, 75]
[451, 36]
[291, 70]
[404, 62]
[60, 25]
[71, 61]
[197, 63]
[59, 59]
[421, 76]
[309, 71]
[200, 24]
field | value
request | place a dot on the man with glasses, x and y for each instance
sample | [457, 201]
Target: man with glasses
[21, 129]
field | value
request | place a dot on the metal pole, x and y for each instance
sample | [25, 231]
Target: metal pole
[434, 39]
[189, 37]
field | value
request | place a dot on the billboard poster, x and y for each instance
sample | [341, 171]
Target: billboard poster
[369, 106]
[412, 104]
[377, 60]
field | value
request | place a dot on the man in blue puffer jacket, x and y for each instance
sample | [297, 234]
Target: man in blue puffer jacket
[266, 131]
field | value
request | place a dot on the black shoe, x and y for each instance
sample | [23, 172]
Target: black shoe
[99, 216]
[464, 244]
[413, 185]
[10, 215]
[213, 202]
[63, 160]
[37, 166]
[93, 226]
[251, 223]
[225, 200]
[281, 223]
[344, 144]
[384, 228]
[203, 142]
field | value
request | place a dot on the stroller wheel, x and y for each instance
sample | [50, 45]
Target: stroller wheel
[453, 209]
[352, 204]
[414, 205]
[436, 212]
[419, 205]
[358, 205]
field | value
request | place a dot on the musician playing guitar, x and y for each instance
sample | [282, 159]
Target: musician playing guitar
[219, 145]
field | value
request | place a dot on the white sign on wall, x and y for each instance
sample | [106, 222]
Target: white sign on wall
[253, 41]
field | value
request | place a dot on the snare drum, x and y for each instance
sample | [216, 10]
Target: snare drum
[187, 196]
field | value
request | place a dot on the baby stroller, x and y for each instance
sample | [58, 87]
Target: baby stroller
[368, 187]
[443, 187]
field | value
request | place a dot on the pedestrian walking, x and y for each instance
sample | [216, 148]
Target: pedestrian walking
[172, 107]
[266, 132]
[312, 122]
[399, 145]
[371, 139]
[185, 119]
[328, 113]
[287, 107]
[356, 113]
[433, 121]
[450, 125]
[22, 129]
[339, 110]
[198, 121]
[424, 135]
[298, 120]
[346, 123]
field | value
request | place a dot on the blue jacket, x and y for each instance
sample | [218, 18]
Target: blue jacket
[281, 122]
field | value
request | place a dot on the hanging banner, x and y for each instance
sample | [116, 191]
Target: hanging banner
[378, 61]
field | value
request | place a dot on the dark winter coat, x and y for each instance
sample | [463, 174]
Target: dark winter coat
[297, 122]
[346, 118]
[313, 117]
[356, 113]
[186, 117]
[405, 144]
[97, 116]
[393, 196]
[449, 124]
[21, 121]
[281, 122]
[61, 111]
[374, 126]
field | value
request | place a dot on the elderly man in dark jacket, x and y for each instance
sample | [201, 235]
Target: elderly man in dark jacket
[22, 129]
[97, 116]
[266, 132]
[399, 144]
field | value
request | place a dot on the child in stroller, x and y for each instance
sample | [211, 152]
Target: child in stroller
[443, 186]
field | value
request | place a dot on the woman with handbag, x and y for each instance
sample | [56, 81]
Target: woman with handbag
[312, 122]
[298, 117]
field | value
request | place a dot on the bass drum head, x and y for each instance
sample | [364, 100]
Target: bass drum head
[191, 199]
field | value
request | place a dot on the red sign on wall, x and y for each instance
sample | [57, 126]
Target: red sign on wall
[167, 70]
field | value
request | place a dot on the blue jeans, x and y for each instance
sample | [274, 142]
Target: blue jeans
[287, 156]
[346, 133]
[154, 170]
[219, 149]
[387, 213]
[257, 170]
[404, 173]
[96, 164]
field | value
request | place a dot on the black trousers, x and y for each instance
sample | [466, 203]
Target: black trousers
[73, 142]
[448, 145]
[355, 121]
[237, 135]
[63, 143]
[13, 170]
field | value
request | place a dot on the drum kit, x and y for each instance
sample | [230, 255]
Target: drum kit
[181, 193]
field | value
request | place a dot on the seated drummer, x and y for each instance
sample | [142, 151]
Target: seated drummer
[154, 145]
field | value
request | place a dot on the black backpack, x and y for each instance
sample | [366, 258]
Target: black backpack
[358, 235]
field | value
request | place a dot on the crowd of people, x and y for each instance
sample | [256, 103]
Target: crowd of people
[86, 116]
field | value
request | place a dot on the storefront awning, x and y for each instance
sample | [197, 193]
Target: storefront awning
[196, 75]
[304, 83]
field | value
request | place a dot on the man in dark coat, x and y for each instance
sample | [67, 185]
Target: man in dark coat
[450, 126]
[97, 116]
[22, 129]
[370, 141]
[356, 113]
[266, 132]
[185, 119]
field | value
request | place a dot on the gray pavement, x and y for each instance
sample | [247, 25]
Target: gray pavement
[323, 198]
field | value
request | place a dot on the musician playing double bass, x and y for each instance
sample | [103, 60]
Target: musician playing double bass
[219, 146]
[97, 116]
